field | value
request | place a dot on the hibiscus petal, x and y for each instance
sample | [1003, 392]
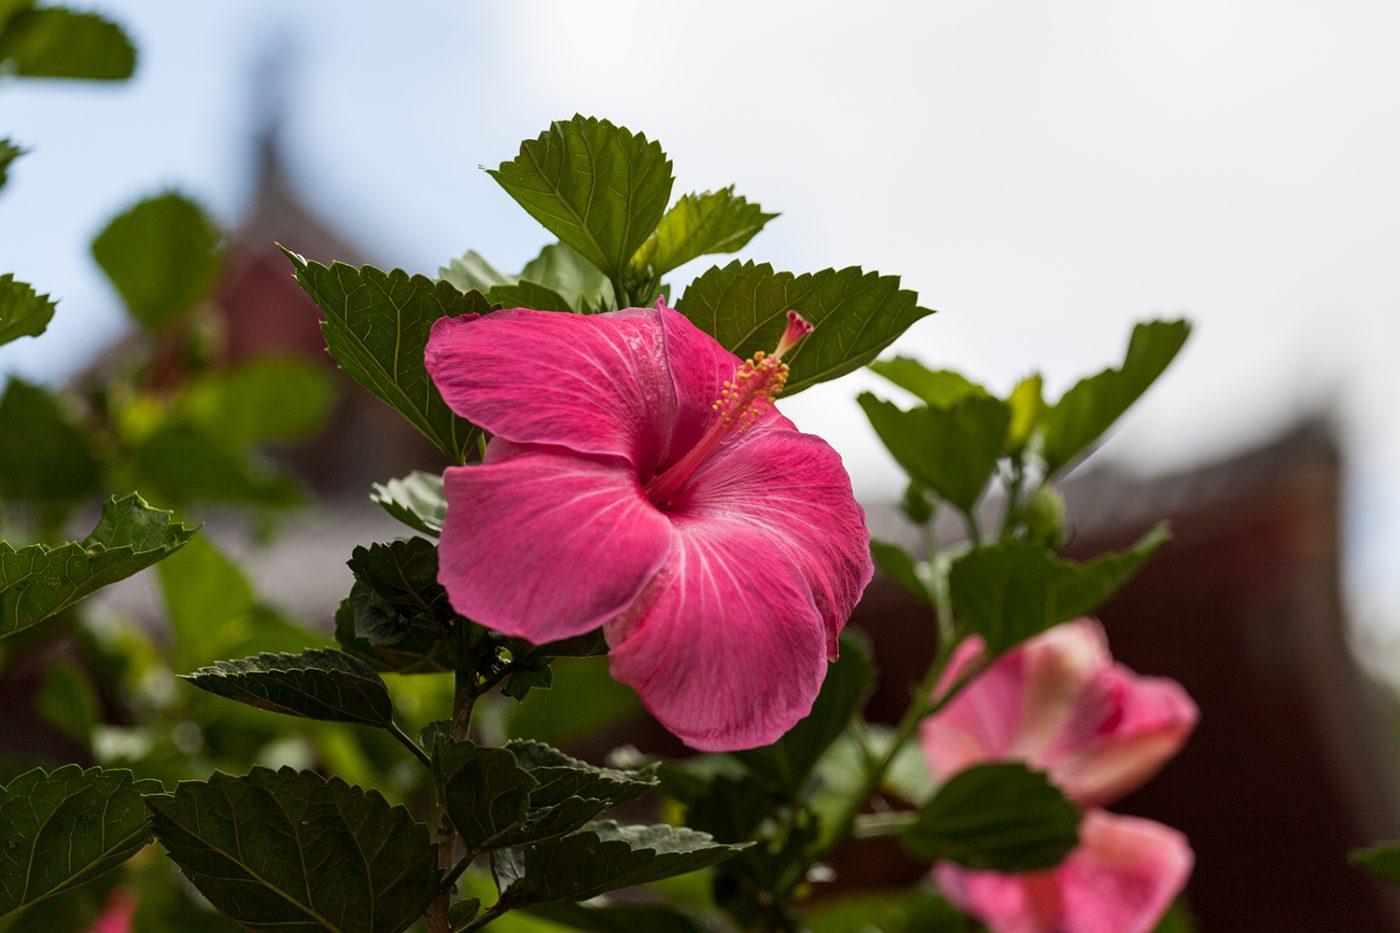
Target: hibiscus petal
[794, 489]
[1120, 879]
[542, 545]
[597, 384]
[725, 648]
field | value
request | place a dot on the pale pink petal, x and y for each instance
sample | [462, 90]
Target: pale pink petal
[726, 647]
[981, 722]
[1059, 666]
[1120, 879]
[596, 384]
[117, 913]
[793, 488]
[543, 545]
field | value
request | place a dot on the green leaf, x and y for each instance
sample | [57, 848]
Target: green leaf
[40, 580]
[856, 314]
[937, 388]
[487, 794]
[1089, 409]
[63, 828]
[68, 701]
[44, 455]
[698, 225]
[288, 850]
[376, 328]
[269, 398]
[564, 271]
[56, 42]
[23, 311]
[8, 153]
[789, 761]
[525, 294]
[397, 615]
[416, 500]
[603, 857]
[996, 817]
[472, 273]
[620, 918]
[320, 683]
[161, 255]
[1012, 591]
[1027, 406]
[185, 463]
[559, 776]
[1381, 860]
[530, 674]
[582, 699]
[898, 564]
[952, 451]
[598, 187]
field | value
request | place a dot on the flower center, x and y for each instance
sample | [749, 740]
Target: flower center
[741, 402]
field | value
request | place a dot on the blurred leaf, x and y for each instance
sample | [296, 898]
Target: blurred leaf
[62, 828]
[937, 388]
[23, 311]
[1177, 919]
[582, 700]
[918, 502]
[320, 683]
[290, 850]
[185, 463]
[596, 186]
[472, 273]
[583, 286]
[9, 151]
[697, 225]
[952, 451]
[601, 858]
[1089, 409]
[789, 761]
[1012, 591]
[856, 314]
[56, 42]
[44, 455]
[620, 918]
[41, 580]
[1381, 860]
[913, 910]
[376, 327]
[1027, 411]
[898, 564]
[996, 817]
[416, 500]
[266, 399]
[486, 792]
[67, 700]
[525, 294]
[162, 255]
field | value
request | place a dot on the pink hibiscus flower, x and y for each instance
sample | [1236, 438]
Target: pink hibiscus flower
[639, 479]
[1061, 704]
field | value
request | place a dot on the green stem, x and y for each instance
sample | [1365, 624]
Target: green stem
[463, 699]
[875, 825]
[974, 533]
[409, 744]
[1013, 504]
[491, 913]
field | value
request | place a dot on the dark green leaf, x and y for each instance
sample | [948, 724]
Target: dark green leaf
[291, 851]
[1089, 409]
[320, 683]
[377, 326]
[40, 580]
[62, 828]
[937, 388]
[486, 792]
[1014, 590]
[918, 503]
[463, 911]
[996, 817]
[603, 857]
[472, 273]
[698, 225]
[856, 314]
[416, 500]
[562, 270]
[8, 153]
[23, 311]
[185, 463]
[620, 918]
[526, 294]
[952, 451]
[1382, 860]
[162, 255]
[596, 186]
[44, 455]
[420, 648]
[560, 776]
[530, 674]
[897, 564]
[266, 399]
[789, 761]
[56, 42]
[397, 616]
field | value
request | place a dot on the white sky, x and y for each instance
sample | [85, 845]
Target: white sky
[1043, 174]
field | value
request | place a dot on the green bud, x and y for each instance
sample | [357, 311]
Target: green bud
[918, 503]
[1045, 515]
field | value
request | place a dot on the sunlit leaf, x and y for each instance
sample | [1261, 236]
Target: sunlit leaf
[23, 311]
[416, 500]
[699, 225]
[1027, 412]
[564, 271]
[161, 255]
[56, 42]
[939, 388]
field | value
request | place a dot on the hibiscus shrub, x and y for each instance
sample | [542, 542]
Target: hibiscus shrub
[616, 482]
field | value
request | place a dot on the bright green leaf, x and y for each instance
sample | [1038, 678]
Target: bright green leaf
[472, 273]
[898, 564]
[376, 328]
[1382, 860]
[23, 311]
[161, 255]
[416, 500]
[856, 314]
[996, 817]
[1089, 409]
[269, 398]
[564, 271]
[40, 580]
[938, 388]
[1027, 406]
[952, 451]
[288, 850]
[8, 153]
[698, 225]
[320, 683]
[56, 42]
[44, 455]
[63, 828]
[598, 187]
[1012, 591]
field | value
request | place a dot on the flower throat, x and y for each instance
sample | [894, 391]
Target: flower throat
[741, 401]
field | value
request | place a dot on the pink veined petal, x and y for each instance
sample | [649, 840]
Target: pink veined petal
[597, 384]
[1059, 666]
[725, 648]
[793, 488]
[1120, 879]
[543, 545]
